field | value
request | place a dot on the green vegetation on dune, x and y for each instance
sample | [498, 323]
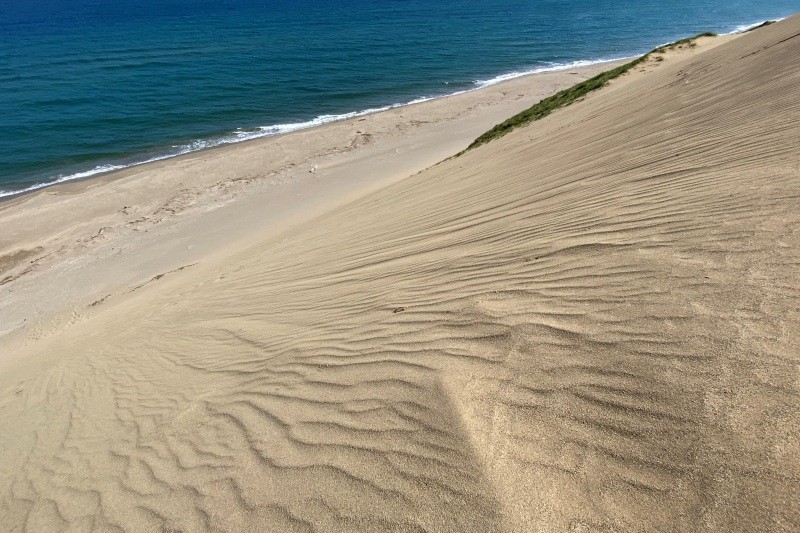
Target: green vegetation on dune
[574, 93]
[677, 44]
[551, 103]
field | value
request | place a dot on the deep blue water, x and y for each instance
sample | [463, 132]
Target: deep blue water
[90, 83]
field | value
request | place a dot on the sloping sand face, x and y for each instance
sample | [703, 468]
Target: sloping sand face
[589, 324]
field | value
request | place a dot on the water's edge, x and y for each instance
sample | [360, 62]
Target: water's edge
[240, 135]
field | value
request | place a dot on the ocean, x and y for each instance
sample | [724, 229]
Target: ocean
[89, 86]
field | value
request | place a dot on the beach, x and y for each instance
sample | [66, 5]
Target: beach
[143, 221]
[588, 324]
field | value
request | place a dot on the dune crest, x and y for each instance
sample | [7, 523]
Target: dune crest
[588, 324]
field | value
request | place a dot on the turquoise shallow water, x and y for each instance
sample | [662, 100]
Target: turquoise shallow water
[91, 85]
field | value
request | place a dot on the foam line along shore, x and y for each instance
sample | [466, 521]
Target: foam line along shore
[104, 105]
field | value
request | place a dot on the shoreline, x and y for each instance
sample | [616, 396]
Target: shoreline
[275, 130]
[102, 235]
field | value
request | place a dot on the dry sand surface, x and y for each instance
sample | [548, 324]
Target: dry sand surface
[590, 324]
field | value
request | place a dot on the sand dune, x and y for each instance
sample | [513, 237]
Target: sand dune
[587, 325]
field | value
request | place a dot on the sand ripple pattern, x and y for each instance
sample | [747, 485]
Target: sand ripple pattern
[589, 325]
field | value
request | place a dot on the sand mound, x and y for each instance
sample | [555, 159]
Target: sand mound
[589, 324]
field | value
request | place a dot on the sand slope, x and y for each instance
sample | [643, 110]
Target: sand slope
[590, 324]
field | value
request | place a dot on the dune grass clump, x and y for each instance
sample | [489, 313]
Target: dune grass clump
[568, 96]
[689, 41]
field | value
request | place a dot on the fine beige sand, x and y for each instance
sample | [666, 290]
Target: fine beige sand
[590, 324]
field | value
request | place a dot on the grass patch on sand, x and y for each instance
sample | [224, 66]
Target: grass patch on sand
[574, 93]
[689, 41]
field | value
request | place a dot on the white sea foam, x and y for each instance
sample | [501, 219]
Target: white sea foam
[747, 27]
[552, 67]
[100, 169]
[201, 144]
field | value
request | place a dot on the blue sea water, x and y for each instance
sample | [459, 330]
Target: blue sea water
[92, 85]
